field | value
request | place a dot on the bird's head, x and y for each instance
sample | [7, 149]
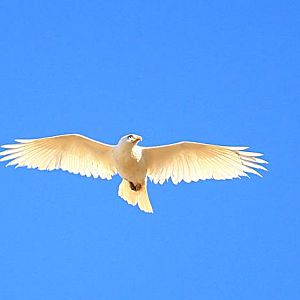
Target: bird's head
[130, 139]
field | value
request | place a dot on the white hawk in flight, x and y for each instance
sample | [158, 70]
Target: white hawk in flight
[184, 161]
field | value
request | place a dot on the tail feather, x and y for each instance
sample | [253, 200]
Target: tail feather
[135, 197]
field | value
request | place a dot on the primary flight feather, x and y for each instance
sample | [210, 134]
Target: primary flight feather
[184, 161]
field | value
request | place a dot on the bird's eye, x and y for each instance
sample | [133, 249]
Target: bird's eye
[130, 136]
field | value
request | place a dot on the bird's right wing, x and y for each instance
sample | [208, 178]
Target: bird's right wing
[71, 152]
[190, 161]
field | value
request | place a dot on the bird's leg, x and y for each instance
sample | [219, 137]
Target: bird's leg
[136, 187]
[132, 186]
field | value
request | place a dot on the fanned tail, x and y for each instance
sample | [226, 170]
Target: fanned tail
[135, 197]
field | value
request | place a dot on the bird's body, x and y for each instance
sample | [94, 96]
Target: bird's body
[131, 166]
[184, 161]
[130, 163]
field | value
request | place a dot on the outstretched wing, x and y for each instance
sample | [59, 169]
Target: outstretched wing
[190, 161]
[72, 152]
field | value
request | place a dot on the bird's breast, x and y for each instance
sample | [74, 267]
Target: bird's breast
[130, 164]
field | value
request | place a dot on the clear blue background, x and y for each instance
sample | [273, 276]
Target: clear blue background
[210, 71]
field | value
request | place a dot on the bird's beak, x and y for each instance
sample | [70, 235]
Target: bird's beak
[139, 138]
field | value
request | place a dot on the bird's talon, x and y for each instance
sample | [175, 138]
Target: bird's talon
[136, 187]
[132, 186]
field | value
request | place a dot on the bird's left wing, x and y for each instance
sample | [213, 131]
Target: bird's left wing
[190, 161]
[71, 152]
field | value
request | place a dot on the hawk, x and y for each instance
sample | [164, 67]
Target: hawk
[183, 161]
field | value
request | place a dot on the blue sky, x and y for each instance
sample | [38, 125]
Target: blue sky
[207, 71]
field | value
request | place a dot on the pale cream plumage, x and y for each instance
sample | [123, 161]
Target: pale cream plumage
[73, 153]
[184, 161]
[190, 161]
